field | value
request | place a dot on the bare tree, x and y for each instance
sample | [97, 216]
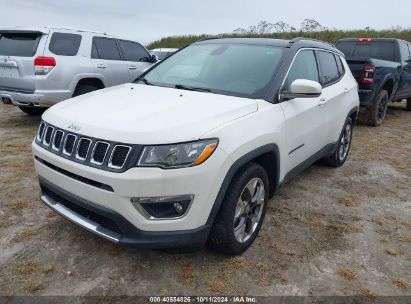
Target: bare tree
[281, 27]
[240, 31]
[264, 27]
[311, 25]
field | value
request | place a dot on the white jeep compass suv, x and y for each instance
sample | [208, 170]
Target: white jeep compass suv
[42, 66]
[194, 150]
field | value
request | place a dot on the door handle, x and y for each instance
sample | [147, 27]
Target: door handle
[346, 90]
[322, 102]
[101, 66]
[132, 67]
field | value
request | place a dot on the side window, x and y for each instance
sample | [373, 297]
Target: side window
[329, 69]
[339, 65]
[304, 67]
[405, 53]
[133, 51]
[65, 44]
[106, 48]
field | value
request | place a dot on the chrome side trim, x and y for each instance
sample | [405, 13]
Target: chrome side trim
[79, 220]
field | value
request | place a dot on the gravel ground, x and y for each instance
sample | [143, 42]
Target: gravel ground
[343, 231]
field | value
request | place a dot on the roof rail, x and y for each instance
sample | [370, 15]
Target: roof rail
[75, 29]
[210, 38]
[296, 39]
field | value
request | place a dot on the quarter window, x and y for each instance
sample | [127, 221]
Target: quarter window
[329, 69]
[133, 51]
[339, 65]
[65, 44]
[304, 67]
[106, 49]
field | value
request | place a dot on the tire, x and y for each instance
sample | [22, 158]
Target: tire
[84, 89]
[34, 111]
[408, 106]
[250, 214]
[378, 110]
[338, 158]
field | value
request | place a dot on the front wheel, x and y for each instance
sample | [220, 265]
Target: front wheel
[242, 212]
[340, 155]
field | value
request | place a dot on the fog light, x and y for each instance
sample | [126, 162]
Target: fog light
[164, 207]
[178, 208]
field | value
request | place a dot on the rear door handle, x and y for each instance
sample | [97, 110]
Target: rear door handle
[322, 102]
[132, 67]
[346, 90]
[101, 66]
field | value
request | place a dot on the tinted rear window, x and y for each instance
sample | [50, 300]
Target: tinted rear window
[106, 49]
[65, 44]
[384, 50]
[133, 51]
[16, 44]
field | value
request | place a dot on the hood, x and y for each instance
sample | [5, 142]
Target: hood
[142, 114]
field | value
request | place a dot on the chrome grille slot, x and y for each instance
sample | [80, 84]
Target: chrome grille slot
[99, 153]
[82, 148]
[48, 136]
[119, 156]
[69, 144]
[58, 138]
[41, 131]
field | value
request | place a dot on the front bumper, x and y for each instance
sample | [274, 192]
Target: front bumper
[37, 98]
[112, 226]
[93, 188]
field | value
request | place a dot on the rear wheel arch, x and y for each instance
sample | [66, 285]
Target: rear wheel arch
[91, 82]
[388, 85]
[267, 156]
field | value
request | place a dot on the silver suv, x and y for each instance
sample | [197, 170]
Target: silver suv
[43, 66]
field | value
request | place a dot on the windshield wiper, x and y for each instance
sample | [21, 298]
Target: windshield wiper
[188, 88]
[145, 81]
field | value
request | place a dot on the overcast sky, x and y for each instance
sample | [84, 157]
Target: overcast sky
[149, 20]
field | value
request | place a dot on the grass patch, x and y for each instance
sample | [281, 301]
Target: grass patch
[26, 234]
[216, 287]
[18, 205]
[349, 201]
[401, 283]
[26, 267]
[347, 274]
[6, 222]
[47, 268]
[391, 251]
[32, 286]
[237, 262]
[366, 292]
[404, 238]
[187, 275]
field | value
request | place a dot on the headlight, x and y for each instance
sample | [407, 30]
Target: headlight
[178, 155]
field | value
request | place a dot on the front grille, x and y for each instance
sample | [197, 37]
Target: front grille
[69, 144]
[47, 137]
[119, 156]
[41, 131]
[58, 138]
[88, 214]
[93, 152]
[82, 148]
[99, 152]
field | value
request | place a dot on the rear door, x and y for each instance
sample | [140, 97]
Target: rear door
[17, 53]
[108, 62]
[137, 58]
[335, 93]
[306, 122]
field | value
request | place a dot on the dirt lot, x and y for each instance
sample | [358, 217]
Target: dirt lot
[343, 231]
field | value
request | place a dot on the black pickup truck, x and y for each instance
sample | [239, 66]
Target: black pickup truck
[382, 68]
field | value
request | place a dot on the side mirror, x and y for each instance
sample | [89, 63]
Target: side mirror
[154, 58]
[303, 88]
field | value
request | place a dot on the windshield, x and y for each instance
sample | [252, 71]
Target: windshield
[229, 69]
